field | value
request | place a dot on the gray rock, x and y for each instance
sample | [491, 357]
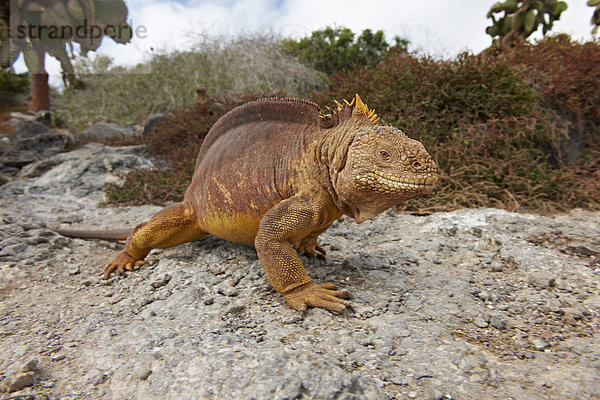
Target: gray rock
[33, 141]
[541, 279]
[57, 356]
[296, 377]
[499, 322]
[398, 380]
[73, 269]
[161, 281]
[417, 326]
[83, 172]
[30, 365]
[153, 120]
[227, 288]
[44, 145]
[142, 374]
[486, 296]
[29, 129]
[4, 178]
[539, 344]
[329, 385]
[572, 315]
[19, 382]
[480, 322]
[496, 266]
[106, 131]
[99, 378]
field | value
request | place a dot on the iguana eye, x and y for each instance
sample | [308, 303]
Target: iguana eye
[416, 164]
[384, 154]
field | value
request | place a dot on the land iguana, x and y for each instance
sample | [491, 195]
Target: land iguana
[276, 173]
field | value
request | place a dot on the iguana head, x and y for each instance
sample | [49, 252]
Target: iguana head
[382, 168]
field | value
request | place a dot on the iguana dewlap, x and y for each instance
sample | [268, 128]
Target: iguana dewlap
[277, 173]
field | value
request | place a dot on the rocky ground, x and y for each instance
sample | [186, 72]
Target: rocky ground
[470, 304]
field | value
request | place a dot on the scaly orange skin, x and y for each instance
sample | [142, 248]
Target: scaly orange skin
[276, 173]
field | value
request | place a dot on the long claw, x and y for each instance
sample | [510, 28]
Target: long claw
[108, 269]
[322, 296]
[311, 248]
[121, 263]
[320, 249]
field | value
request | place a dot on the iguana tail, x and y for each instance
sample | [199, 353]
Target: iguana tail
[107, 234]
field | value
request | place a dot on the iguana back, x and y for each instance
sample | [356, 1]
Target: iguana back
[286, 112]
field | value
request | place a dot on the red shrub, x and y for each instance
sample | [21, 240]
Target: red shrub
[566, 72]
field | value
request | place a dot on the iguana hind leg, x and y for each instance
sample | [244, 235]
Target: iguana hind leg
[171, 226]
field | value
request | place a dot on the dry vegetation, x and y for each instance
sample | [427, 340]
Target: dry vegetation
[514, 130]
[229, 68]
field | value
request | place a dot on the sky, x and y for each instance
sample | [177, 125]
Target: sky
[442, 28]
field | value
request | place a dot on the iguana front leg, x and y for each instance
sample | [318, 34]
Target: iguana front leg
[289, 222]
[171, 226]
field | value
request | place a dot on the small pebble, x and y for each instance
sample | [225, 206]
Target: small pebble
[292, 319]
[73, 269]
[499, 322]
[99, 379]
[539, 344]
[143, 374]
[161, 282]
[227, 289]
[30, 365]
[496, 266]
[480, 322]
[20, 382]
[541, 279]
[57, 357]
[396, 380]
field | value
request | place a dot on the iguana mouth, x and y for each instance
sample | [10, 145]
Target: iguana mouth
[386, 183]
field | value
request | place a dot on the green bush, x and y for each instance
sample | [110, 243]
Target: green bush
[13, 88]
[334, 49]
[229, 69]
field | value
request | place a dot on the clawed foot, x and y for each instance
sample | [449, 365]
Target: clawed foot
[311, 248]
[322, 296]
[121, 263]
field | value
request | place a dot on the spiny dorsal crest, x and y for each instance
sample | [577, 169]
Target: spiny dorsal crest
[356, 107]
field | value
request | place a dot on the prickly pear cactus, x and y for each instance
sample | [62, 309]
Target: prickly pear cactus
[91, 20]
[513, 19]
[596, 17]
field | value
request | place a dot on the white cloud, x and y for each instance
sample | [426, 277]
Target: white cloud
[439, 27]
